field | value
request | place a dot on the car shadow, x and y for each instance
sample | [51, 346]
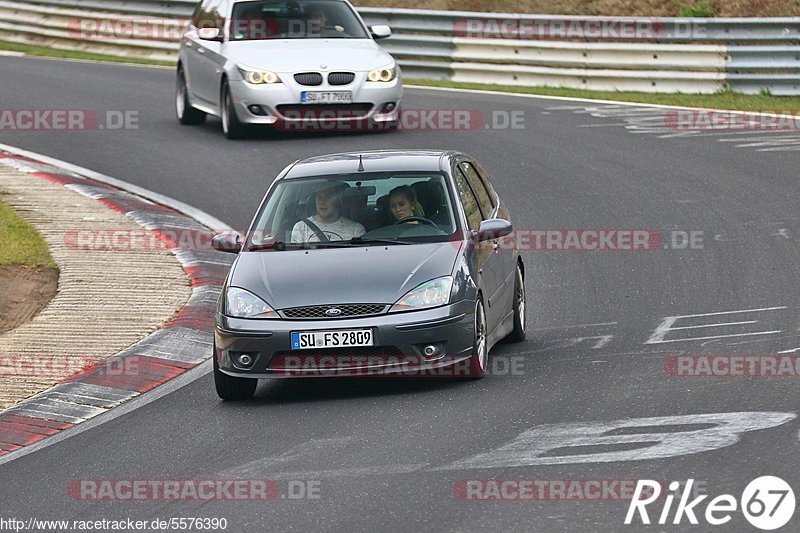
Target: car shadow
[267, 133]
[288, 391]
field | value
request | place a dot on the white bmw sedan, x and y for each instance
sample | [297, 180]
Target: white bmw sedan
[293, 64]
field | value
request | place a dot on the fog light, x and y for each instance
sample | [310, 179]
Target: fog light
[388, 108]
[243, 360]
[256, 110]
[430, 350]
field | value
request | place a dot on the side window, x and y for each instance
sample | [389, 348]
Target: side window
[485, 178]
[469, 201]
[477, 186]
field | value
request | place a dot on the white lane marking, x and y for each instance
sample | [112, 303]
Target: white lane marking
[715, 325]
[555, 344]
[734, 312]
[304, 451]
[546, 444]
[668, 324]
[643, 439]
[378, 470]
[577, 326]
[710, 337]
[10, 53]
[597, 102]
[652, 120]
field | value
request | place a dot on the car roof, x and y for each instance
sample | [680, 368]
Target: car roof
[373, 161]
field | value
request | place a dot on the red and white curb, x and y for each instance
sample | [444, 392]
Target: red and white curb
[180, 345]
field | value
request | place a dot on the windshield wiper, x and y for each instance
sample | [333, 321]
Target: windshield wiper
[278, 246]
[360, 241]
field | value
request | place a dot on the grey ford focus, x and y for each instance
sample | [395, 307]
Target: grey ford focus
[384, 263]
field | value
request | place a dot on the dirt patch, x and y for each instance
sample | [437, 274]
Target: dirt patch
[24, 291]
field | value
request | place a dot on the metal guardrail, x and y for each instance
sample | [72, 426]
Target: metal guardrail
[662, 54]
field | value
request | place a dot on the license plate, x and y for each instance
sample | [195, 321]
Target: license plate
[332, 339]
[326, 97]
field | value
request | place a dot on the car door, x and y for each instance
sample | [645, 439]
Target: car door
[494, 267]
[484, 254]
[204, 57]
[508, 250]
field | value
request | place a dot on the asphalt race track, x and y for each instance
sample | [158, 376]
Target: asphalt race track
[391, 455]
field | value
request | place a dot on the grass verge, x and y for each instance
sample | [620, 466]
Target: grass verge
[20, 244]
[44, 51]
[720, 100]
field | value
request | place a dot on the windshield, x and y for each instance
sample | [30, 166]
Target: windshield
[294, 19]
[355, 210]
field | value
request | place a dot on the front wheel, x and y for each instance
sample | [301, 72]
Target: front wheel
[231, 388]
[518, 333]
[187, 115]
[480, 351]
[232, 127]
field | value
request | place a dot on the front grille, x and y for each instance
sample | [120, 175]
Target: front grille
[324, 111]
[341, 78]
[348, 311]
[308, 78]
[337, 358]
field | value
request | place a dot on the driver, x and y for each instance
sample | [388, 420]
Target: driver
[328, 220]
[403, 203]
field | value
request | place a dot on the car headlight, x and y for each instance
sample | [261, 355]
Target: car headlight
[260, 77]
[432, 293]
[240, 303]
[382, 74]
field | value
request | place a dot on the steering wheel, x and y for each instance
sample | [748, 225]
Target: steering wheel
[423, 220]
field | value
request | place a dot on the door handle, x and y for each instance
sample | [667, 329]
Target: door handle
[201, 50]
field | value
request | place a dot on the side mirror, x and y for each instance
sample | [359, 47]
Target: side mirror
[380, 31]
[494, 229]
[209, 34]
[229, 242]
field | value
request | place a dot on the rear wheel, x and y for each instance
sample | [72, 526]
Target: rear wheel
[231, 388]
[518, 333]
[232, 127]
[187, 115]
[480, 351]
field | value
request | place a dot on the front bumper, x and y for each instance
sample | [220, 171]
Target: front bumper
[280, 104]
[400, 339]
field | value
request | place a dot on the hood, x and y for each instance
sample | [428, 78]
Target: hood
[373, 274]
[299, 55]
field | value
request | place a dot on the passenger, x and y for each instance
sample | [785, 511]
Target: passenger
[403, 203]
[328, 220]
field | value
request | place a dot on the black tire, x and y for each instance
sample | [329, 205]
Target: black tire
[187, 115]
[480, 357]
[519, 332]
[232, 127]
[231, 388]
